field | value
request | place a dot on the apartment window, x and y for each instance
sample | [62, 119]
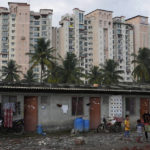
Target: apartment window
[4, 50]
[12, 43]
[36, 29]
[36, 34]
[13, 25]
[36, 22]
[5, 34]
[44, 16]
[4, 61]
[86, 66]
[35, 40]
[4, 38]
[12, 37]
[44, 33]
[36, 69]
[5, 21]
[43, 22]
[13, 19]
[12, 55]
[77, 106]
[89, 22]
[81, 17]
[4, 55]
[12, 49]
[43, 27]
[13, 15]
[13, 31]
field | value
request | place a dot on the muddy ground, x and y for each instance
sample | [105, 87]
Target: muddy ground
[66, 141]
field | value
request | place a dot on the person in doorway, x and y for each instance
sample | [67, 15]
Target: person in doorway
[127, 127]
[139, 128]
[146, 119]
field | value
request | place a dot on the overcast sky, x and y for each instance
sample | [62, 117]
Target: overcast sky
[127, 8]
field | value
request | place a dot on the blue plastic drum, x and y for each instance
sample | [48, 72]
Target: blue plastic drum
[78, 124]
[86, 125]
[39, 129]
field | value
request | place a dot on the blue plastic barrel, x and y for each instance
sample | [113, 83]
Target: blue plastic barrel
[86, 125]
[78, 124]
[39, 129]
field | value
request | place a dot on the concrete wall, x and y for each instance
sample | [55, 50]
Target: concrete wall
[52, 117]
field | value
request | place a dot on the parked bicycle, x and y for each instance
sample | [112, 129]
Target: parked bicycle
[112, 125]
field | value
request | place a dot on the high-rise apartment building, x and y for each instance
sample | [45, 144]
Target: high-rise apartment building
[40, 27]
[4, 36]
[141, 29]
[100, 35]
[55, 41]
[71, 33]
[14, 31]
[20, 29]
[123, 46]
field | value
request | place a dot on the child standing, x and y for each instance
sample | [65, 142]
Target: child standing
[139, 128]
[127, 127]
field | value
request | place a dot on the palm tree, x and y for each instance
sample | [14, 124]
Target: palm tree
[110, 73]
[42, 55]
[29, 77]
[95, 76]
[141, 61]
[70, 72]
[54, 75]
[10, 73]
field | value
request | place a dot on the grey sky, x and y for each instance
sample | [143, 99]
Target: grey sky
[128, 8]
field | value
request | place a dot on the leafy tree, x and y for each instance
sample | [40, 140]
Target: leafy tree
[10, 73]
[71, 72]
[95, 76]
[29, 77]
[110, 73]
[141, 61]
[43, 56]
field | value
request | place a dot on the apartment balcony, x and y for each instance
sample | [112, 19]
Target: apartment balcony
[5, 23]
[4, 52]
[5, 29]
[71, 50]
[71, 37]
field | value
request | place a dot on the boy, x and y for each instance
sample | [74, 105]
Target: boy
[139, 128]
[127, 127]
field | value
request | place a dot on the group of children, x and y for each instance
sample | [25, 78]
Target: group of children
[140, 127]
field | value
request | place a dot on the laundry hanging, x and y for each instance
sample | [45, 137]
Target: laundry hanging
[9, 108]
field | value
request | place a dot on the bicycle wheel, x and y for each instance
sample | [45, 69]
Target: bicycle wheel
[100, 128]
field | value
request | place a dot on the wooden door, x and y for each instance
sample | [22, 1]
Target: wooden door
[144, 106]
[30, 113]
[94, 112]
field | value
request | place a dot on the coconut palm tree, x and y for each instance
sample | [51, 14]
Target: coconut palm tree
[71, 72]
[95, 76]
[29, 77]
[110, 73]
[43, 56]
[54, 75]
[10, 73]
[141, 61]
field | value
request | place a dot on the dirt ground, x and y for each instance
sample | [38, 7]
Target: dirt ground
[66, 141]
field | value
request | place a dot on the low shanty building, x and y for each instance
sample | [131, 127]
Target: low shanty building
[55, 107]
